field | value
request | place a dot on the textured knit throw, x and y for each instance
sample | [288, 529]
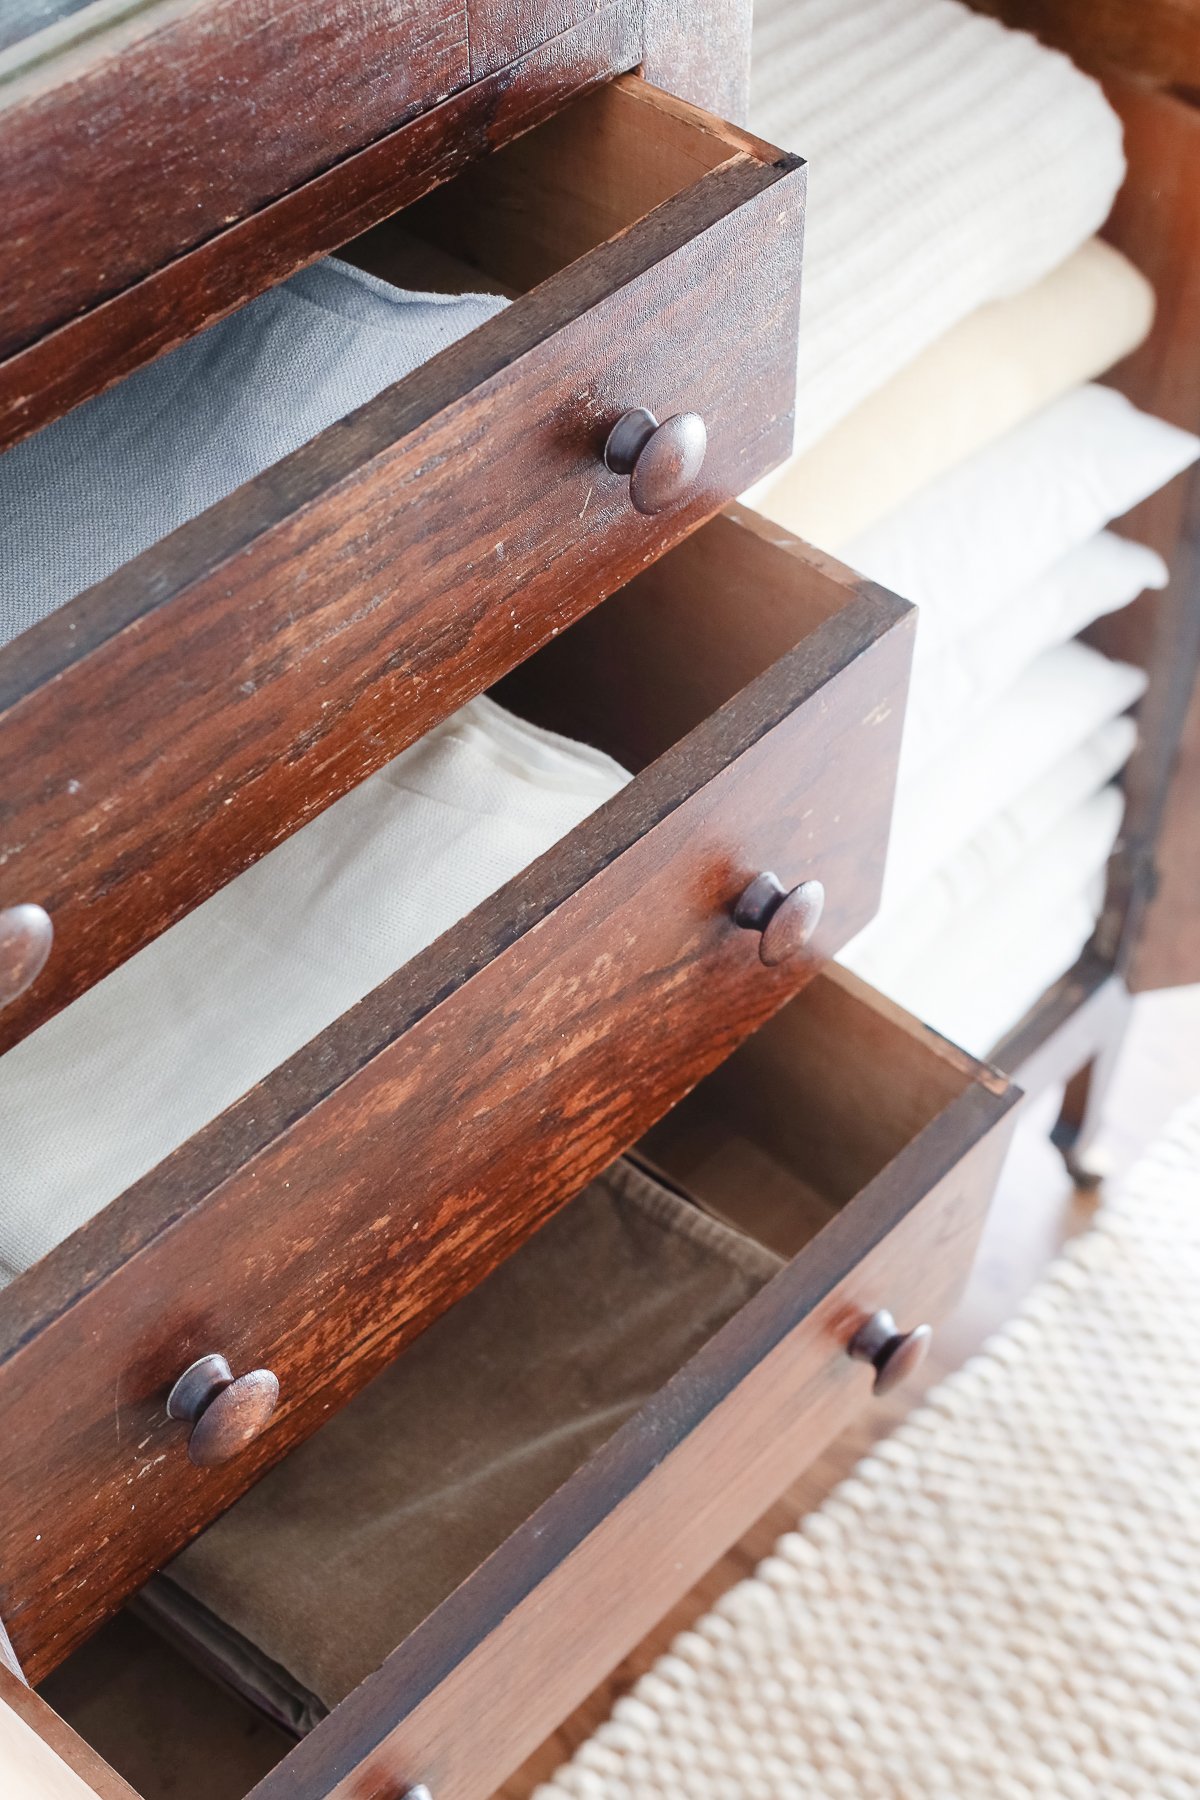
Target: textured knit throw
[951, 161]
[1004, 1600]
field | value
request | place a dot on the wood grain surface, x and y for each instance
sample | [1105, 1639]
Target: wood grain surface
[41, 1758]
[475, 1688]
[180, 718]
[326, 1218]
[113, 337]
[145, 138]
[1151, 927]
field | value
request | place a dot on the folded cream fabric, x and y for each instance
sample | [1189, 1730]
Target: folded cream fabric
[952, 161]
[996, 853]
[121, 471]
[951, 687]
[983, 975]
[105, 1090]
[303, 1588]
[995, 368]
[987, 530]
[1055, 706]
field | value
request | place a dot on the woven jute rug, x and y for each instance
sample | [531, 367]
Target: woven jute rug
[1004, 1599]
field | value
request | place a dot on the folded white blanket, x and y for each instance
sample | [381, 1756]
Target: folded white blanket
[1055, 706]
[996, 854]
[109, 1087]
[987, 530]
[983, 975]
[951, 687]
[994, 369]
[952, 161]
[121, 471]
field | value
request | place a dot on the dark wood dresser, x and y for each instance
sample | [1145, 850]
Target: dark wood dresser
[476, 523]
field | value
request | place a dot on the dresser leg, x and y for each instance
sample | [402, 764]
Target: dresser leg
[1081, 1115]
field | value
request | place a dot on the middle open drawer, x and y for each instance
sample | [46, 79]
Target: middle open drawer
[324, 1220]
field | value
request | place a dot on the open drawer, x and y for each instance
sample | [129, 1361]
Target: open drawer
[170, 724]
[324, 1219]
[856, 1148]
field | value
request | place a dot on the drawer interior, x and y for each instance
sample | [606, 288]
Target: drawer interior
[516, 217]
[816, 1143]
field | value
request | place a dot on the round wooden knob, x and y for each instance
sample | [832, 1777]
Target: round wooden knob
[786, 917]
[225, 1414]
[661, 461]
[894, 1355]
[26, 935]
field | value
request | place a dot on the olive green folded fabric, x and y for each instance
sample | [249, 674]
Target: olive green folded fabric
[305, 1586]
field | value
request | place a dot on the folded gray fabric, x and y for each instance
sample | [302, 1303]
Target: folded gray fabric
[308, 1583]
[105, 481]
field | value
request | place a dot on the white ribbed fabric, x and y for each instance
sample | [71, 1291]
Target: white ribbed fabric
[1003, 1601]
[984, 532]
[1059, 702]
[990, 964]
[109, 1087]
[961, 884]
[951, 161]
[121, 471]
[950, 689]
[994, 369]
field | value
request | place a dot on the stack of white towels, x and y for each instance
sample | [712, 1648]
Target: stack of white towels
[953, 443]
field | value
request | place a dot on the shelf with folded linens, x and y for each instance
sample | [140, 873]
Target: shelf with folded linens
[959, 447]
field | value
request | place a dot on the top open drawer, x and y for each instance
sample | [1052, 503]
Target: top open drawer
[169, 725]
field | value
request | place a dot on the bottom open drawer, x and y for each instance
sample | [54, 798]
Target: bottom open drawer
[852, 1153]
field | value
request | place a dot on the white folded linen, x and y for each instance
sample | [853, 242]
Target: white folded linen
[983, 975]
[105, 481]
[951, 687]
[990, 372]
[952, 161]
[105, 1090]
[987, 530]
[995, 854]
[1055, 706]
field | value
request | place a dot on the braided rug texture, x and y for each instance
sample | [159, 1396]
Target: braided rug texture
[1003, 1601]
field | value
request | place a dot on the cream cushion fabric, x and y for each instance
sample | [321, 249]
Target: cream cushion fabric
[991, 371]
[105, 1090]
[951, 161]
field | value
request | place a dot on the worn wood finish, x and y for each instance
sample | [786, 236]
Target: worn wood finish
[705, 60]
[172, 302]
[144, 138]
[180, 718]
[1156, 39]
[757, 1404]
[41, 1758]
[1152, 922]
[332, 1213]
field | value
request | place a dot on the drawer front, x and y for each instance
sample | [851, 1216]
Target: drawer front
[119, 146]
[639, 1524]
[330, 1215]
[182, 717]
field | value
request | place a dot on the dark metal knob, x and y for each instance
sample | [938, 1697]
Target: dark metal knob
[26, 935]
[786, 917]
[225, 1415]
[893, 1354]
[661, 461]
